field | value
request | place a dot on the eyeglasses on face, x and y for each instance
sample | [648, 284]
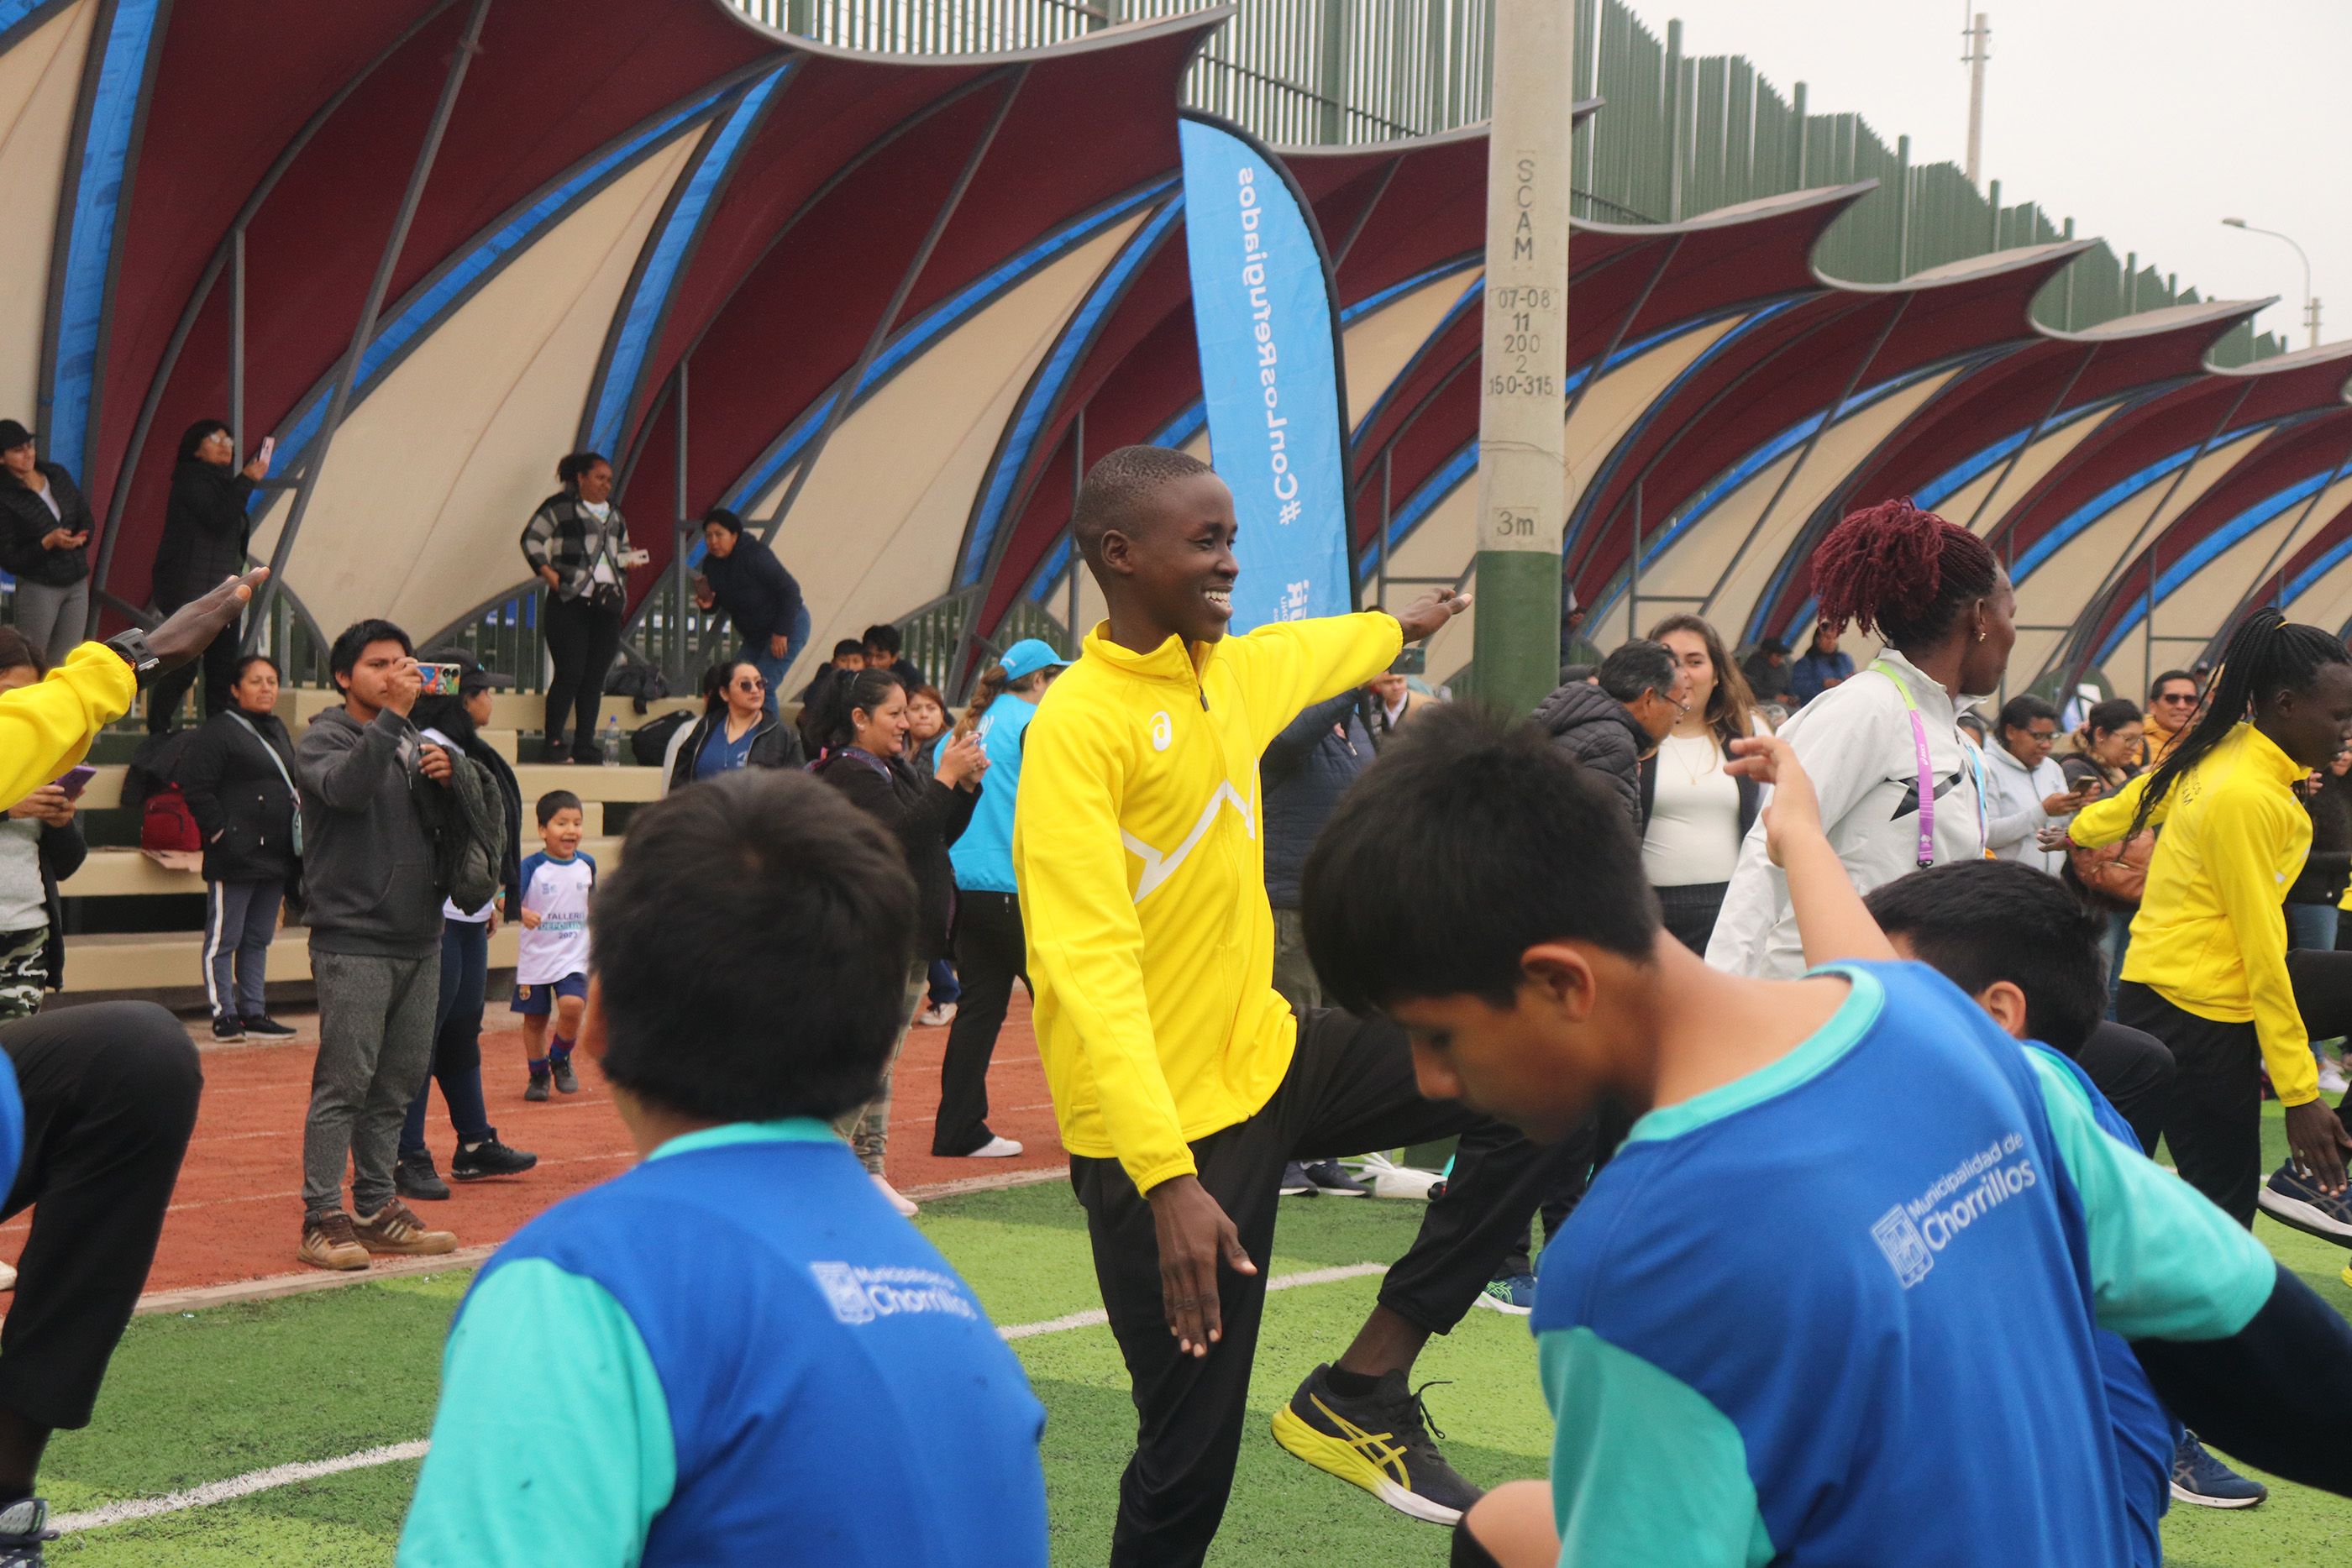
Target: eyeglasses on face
[749, 684]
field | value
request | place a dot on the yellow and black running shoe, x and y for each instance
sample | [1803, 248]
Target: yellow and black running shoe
[1380, 1442]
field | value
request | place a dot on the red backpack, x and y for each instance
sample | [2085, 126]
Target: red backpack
[166, 824]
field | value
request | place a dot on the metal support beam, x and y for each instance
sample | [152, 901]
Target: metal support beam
[2279, 554]
[2033, 435]
[236, 340]
[1078, 479]
[363, 329]
[683, 657]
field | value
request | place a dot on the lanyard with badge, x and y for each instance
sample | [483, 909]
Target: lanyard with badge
[1928, 777]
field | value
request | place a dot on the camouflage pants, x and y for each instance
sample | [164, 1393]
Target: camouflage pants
[23, 975]
[867, 1128]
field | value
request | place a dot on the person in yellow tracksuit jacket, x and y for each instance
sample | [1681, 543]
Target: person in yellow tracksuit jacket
[1181, 1080]
[2208, 971]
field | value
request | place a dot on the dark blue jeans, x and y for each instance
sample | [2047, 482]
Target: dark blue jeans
[456, 1039]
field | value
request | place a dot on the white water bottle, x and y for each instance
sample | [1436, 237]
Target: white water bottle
[613, 740]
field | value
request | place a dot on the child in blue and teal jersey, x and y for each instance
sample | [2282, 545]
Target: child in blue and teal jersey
[736, 1351]
[1886, 1351]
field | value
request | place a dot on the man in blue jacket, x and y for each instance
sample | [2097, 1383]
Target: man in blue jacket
[743, 576]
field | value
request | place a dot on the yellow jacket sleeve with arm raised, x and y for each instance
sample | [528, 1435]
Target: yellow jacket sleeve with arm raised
[46, 727]
[2108, 822]
[1290, 665]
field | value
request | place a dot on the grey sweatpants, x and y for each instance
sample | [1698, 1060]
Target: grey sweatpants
[375, 1045]
[52, 618]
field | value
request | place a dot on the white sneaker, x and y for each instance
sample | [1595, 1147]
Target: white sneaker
[995, 1149]
[8, 1275]
[2332, 1079]
[935, 1017]
[899, 1201]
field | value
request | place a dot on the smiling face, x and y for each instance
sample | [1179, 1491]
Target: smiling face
[596, 484]
[562, 832]
[2172, 703]
[1175, 568]
[883, 729]
[1689, 649]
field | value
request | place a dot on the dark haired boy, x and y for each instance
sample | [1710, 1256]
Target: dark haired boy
[1887, 1353]
[552, 955]
[1181, 1080]
[883, 642]
[375, 945]
[735, 1353]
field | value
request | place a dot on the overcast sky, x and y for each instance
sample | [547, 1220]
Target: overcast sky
[2148, 121]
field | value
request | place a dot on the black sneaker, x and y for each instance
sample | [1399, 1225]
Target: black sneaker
[1331, 1180]
[1295, 1183]
[227, 1027]
[414, 1176]
[2292, 1199]
[1380, 1442]
[268, 1029]
[2199, 1478]
[23, 1526]
[487, 1159]
[538, 1090]
[566, 1080]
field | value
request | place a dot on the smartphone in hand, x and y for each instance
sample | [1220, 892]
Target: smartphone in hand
[76, 781]
[440, 680]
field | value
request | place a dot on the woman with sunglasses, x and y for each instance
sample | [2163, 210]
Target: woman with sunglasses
[737, 729]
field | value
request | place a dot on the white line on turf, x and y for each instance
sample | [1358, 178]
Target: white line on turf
[245, 1485]
[277, 1476]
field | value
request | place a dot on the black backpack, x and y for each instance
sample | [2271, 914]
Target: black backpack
[649, 743]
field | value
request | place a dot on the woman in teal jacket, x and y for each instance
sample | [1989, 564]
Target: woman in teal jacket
[991, 948]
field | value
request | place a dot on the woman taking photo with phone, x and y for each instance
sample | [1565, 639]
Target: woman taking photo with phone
[237, 775]
[578, 543]
[2025, 790]
[205, 531]
[863, 728]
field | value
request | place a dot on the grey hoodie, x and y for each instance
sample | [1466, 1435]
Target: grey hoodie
[367, 860]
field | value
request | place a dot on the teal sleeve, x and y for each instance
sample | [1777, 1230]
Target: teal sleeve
[1643, 1468]
[552, 1442]
[2165, 1262]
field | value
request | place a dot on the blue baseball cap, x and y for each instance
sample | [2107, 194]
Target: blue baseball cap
[1028, 656]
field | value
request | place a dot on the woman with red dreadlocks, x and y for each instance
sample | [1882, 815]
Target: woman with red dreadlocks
[1901, 789]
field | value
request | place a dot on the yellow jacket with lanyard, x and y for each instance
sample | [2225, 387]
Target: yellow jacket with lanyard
[1142, 881]
[2210, 937]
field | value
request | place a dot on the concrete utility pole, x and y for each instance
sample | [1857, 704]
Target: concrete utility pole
[1522, 464]
[1979, 38]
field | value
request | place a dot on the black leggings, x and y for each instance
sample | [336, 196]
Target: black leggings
[991, 954]
[110, 1092]
[583, 637]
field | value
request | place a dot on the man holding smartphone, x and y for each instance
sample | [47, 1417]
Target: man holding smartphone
[375, 945]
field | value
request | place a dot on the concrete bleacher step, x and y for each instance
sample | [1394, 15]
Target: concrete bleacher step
[126, 873]
[622, 786]
[171, 961]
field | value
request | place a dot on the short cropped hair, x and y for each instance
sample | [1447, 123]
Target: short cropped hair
[751, 948]
[556, 800]
[1639, 666]
[2166, 678]
[1108, 495]
[847, 646]
[1975, 921]
[1468, 842]
[885, 637]
[2025, 710]
[344, 656]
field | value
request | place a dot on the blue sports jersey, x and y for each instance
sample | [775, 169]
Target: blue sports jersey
[1841, 1310]
[737, 1352]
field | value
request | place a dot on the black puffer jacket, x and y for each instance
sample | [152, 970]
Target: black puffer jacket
[239, 798]
[773, 744]
[205, 531]
[1305, 772]
[926, 815]
[25, 521]
[1595, 729]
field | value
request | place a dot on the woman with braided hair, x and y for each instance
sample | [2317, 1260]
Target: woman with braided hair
[1901, 789]
[2208, 971]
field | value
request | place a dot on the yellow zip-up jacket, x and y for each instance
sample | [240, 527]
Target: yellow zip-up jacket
[2210, 937]
[1143, 877]
[46, 727]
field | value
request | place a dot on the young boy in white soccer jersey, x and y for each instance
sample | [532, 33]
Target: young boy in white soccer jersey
[551, 968]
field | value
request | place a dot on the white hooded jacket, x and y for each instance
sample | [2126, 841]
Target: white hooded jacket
[1856, 744]
[2013, 798]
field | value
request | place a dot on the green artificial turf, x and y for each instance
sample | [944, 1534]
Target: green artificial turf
[203, 1397]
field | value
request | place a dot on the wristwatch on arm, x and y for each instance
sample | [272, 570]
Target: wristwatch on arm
[132, 648]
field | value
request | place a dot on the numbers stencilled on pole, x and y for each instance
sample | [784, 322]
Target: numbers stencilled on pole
[1515, 523]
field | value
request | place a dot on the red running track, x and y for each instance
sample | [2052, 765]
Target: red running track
[236, 1214]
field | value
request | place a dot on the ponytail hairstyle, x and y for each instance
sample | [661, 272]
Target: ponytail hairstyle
[1731, 706]
[1901, 572]
[992, 685]
[849, 692]
[715, 681]
[2267, 655]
